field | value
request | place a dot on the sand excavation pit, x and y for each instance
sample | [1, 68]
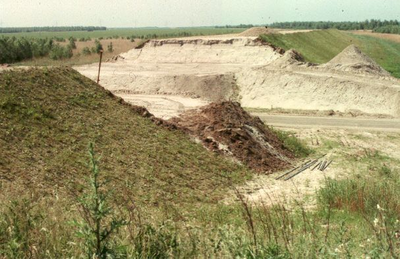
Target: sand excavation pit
[227, 129]
[191, 72]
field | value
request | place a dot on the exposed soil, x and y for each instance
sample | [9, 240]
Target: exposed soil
[347, 149]
[257, 31]
[353, 60]
[226, 128]
[244, 69]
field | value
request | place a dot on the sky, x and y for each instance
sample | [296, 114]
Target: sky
[186, 13]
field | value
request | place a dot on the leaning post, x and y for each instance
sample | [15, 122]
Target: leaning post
[98, 75]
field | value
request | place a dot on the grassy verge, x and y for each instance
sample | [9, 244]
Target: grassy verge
[294, 144]
[321, 46]
[355, 218]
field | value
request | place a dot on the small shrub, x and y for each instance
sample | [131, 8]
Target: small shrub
[97, 47]
[60, 52]
[99, 221]
[110, 47]
[86, 51]
[72, 42]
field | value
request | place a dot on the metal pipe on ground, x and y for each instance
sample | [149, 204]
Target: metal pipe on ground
[316, 166]
[322, 165]
[288, 172]
[301, 170]
[327, 165]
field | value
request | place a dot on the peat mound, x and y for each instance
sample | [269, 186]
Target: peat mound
[226, 128]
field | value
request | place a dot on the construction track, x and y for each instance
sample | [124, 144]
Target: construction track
[389, 125]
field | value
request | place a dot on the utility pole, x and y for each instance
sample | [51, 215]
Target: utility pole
[98, 75]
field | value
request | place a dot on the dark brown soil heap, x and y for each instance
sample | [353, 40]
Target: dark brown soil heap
[226, 128]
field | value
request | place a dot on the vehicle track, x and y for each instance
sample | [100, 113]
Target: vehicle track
[392, 125]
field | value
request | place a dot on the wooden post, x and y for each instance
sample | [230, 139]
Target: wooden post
[98, 75]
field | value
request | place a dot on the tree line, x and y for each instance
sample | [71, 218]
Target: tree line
[235, 26]
[51, 29]
[14, 49]
[365, 25]
[394, 29]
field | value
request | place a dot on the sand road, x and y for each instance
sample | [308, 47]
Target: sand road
[389, 125]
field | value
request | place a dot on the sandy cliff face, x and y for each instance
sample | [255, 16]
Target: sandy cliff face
[247, 70]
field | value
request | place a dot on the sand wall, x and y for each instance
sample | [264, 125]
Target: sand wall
[247, 70]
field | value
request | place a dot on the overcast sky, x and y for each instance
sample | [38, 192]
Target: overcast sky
[180, 13]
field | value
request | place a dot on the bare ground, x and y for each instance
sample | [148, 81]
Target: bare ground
[386, 36]
[347, 148]
[256, 74]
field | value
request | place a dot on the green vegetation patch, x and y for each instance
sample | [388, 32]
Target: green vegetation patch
[130, 32]
[292, 143]
[321, 46]
[48, 117]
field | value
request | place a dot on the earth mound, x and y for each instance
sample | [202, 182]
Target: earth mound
[257, 31]
[226, 128]
[352, 59]
[49, 116]
[289, 58]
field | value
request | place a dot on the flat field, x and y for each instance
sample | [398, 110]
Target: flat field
[129, 32]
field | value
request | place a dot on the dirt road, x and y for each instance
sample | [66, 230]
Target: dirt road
[390, 125]
[386, 36]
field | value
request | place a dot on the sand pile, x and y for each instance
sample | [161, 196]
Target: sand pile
[226, 128]
[290, 58]
[352, 59]
[257, 31]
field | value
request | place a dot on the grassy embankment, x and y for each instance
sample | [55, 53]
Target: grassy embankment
[321, 46]
[167, 189]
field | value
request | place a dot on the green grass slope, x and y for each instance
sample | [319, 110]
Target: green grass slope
[321, 46]
[48, 117]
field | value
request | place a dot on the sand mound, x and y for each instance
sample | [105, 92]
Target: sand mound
[226, 128]
[257, 31]
[352, 59]
[290, 58]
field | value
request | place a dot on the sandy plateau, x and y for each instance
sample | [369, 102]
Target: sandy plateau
[172, 75]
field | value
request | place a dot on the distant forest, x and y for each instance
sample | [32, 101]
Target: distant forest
[390, 26]
[236, 26]
[51, 29]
